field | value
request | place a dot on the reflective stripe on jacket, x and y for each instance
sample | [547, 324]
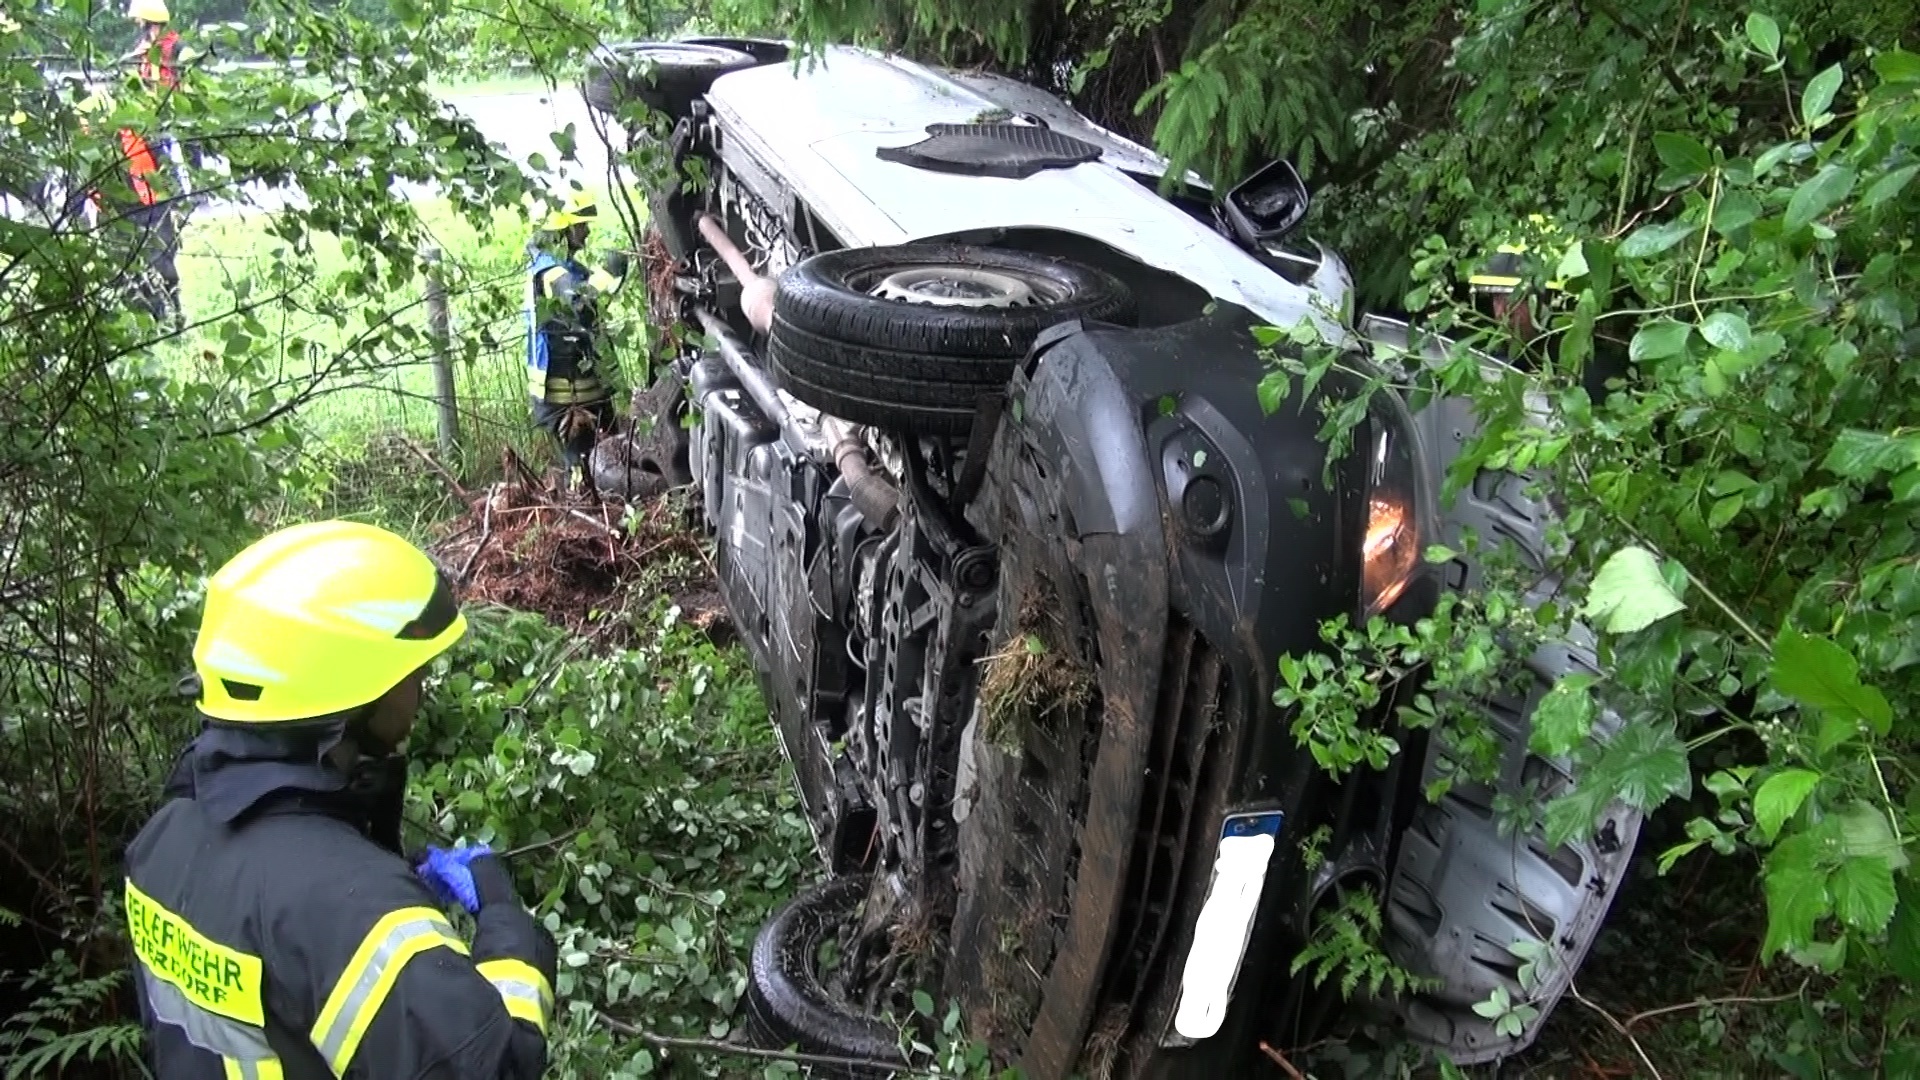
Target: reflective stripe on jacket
[290, 947]
[561, 352]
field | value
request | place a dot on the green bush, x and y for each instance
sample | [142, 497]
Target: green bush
[654, 815]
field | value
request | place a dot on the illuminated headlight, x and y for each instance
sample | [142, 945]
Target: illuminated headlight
[1390, 547]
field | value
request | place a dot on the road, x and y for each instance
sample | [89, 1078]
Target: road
[519, 124]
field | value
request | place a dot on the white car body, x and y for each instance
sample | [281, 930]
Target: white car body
[814, 127]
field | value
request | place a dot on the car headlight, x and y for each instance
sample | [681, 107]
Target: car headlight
[1390, 547]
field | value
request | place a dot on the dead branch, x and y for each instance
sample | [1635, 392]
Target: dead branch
[712, 1046]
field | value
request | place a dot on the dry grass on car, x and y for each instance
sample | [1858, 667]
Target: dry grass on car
[1029, 679]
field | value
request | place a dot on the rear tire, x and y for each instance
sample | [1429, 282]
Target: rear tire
[787, 1003]
[912, 338]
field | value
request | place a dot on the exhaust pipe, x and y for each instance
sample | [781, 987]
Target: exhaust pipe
[756, 292]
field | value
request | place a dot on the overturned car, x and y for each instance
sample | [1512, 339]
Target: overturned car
[1015, 549]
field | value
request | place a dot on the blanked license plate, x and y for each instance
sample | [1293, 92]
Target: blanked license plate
[1226, 919]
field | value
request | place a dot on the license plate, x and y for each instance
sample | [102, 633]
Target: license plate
[1226, 919]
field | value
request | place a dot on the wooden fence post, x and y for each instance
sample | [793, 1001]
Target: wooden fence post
[439, 328]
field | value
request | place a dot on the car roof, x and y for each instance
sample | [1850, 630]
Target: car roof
[816, 125]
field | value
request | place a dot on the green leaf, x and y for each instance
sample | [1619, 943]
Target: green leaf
[1659, 339]
[1864, 455]
[1687, 157]
[1820, 674]
[1629, 594]
[1649, 240]
[1906, 486]
[923, 1003]
[1726, 330]
[1780, 797]
[1903, 935]
[1564, 717]
[1797, 895]
[1725, 510]
[1272, 391]
[1888, 186]
[1865, 834]
[1819, 94]
[1573, 264]
[1764, 33]
[1897, 66]
[1863, 894]
[1818, 195]
[1643, 766]
[1268, 336]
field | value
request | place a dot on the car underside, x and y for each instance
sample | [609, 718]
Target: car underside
[970, 410]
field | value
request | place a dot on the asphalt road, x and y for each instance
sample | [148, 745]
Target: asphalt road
[519, 124]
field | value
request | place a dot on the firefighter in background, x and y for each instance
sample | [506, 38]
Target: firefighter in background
[157, 57]
[1504, 289]
[278, 933]
[569, 367]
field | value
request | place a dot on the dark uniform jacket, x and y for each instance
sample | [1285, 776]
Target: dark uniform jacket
[273, 939]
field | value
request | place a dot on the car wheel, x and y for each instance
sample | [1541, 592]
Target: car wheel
[665, 75]
[787, 999]
[911, 338]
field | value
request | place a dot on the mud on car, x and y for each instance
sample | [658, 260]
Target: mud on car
[970, 409]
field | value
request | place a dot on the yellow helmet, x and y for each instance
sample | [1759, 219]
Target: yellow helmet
[153, 11]
[318, 619]
[579, 207]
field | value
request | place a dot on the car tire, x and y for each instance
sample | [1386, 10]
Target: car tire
[911, 338]
[787, 1004]
[664, 75]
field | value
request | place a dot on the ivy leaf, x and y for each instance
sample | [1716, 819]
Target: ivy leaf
[1888, 186]
[1863, 894]
[1797, 895]
[1780, 797]
[1820, 674]
[1629, 593]
[1818, 95]
[1564, 717]
[1903, 936]
[1818, 195]
[1726, 330]
[1649, 240]
[1686, 158]
[1764, 33]
[1659, 339]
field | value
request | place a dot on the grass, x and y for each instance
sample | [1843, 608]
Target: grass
[390, 388]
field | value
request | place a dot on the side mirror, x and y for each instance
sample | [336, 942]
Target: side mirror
[1266, 206]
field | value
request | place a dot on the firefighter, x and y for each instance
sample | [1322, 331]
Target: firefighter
[566, 359]
[157, 53]
[277, 931]
[1504, 289]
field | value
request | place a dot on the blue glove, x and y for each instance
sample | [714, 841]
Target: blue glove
[446, 872]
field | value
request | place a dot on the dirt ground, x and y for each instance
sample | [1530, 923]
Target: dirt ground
[579, 560]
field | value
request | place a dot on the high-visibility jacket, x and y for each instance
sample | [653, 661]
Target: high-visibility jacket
[562, 318]
[142, 163]
[160, 60]
[274, 940]
[1507, 269]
